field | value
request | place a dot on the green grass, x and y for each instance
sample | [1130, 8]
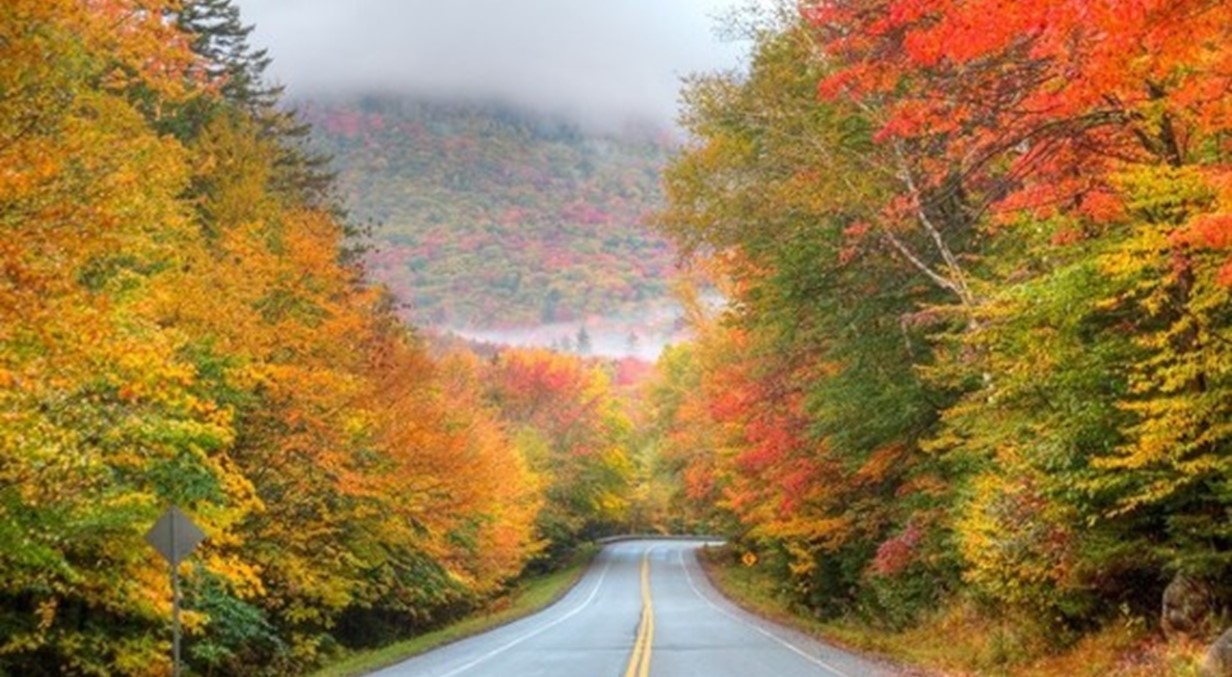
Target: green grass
[524, 600]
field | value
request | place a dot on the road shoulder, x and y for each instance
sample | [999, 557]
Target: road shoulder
[850, 660]
[531, 598]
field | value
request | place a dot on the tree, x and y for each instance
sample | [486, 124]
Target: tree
[1033, 106]
[105, 422]
[231, 78]
[179, 324]
[1102, 118]
[562, 414]
[811, 379]
[583, 341]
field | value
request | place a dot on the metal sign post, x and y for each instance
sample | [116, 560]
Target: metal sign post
[174, 536]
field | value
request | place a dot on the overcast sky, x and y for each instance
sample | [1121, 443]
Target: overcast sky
[596, 60]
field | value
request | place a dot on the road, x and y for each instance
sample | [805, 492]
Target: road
[644, 608]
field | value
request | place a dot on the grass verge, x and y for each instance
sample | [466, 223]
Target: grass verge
[524, 600]
[956, 641]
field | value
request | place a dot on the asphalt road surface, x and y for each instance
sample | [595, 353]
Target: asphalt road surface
[644, 608]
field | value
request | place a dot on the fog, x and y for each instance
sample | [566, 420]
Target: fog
[598, 62]
[643, 333]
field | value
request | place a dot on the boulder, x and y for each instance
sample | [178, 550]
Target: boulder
[1218, 659]
[1187, 607]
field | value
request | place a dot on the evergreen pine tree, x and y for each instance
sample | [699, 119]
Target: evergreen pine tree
[583, 341]
[237, 71]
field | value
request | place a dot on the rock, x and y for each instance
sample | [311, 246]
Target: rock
[1187, 607]
[1218, 660]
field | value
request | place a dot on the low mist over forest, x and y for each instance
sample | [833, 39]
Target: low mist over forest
[486, 218]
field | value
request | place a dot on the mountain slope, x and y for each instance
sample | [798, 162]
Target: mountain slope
[487, 217]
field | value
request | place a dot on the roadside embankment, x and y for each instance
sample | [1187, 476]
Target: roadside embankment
[959, 641]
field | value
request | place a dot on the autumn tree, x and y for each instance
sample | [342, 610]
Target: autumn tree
[1101, 124]
[810, 382]
[105, 422]
[561, 412]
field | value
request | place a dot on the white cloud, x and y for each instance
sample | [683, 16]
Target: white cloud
[585, 58]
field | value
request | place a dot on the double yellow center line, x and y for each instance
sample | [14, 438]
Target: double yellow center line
[639, 661]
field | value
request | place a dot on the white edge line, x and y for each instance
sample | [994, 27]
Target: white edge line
[505, 647]
[803, 654]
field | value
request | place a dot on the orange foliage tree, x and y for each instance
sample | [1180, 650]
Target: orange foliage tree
[561, 411]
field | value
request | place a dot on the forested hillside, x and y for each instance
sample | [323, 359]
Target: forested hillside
[977, 368]
[490, 217]
[183, 321]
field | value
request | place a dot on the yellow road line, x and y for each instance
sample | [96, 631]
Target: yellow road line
[639, 660]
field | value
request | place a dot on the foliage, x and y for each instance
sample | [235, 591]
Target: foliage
[486, 216]
[979, 304]
[181, 322]
[807, 398]
[564, 418]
